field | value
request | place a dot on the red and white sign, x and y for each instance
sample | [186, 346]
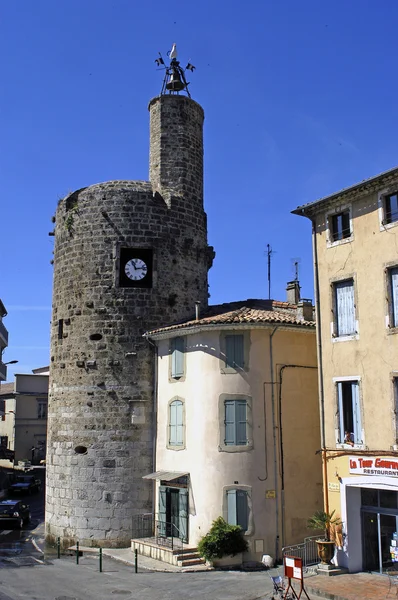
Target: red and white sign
[293, 567]
[374, 465]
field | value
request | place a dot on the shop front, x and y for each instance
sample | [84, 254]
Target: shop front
[369, 511]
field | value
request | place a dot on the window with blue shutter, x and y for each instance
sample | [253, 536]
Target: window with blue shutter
[344, 308]
[237, 508]
[349, 412]
[177, 357]
[176, 425]
[235, 422]
[394, 297]
[234, 351]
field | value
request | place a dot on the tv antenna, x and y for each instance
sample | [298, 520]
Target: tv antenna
[270, 252]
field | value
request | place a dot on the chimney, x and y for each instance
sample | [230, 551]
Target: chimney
[197, 310]
[305, 310]
[293, 292]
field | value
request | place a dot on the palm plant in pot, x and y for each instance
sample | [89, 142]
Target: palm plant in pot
[326, 521]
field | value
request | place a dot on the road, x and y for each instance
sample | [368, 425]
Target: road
[28, 574]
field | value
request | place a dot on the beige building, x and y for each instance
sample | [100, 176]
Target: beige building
[238, 423]
[355, 241]
[23, 417]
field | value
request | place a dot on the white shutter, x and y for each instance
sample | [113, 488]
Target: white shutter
[356, 413]
[345, 307]
[394, 297]
[340, 411]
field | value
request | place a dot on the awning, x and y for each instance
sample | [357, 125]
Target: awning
[166, 475]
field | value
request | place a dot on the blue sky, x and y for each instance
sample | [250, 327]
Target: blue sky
[299, 98]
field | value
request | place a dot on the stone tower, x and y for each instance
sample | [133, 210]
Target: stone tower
[129, 256]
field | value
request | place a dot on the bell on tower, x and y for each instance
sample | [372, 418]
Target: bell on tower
[174, 80]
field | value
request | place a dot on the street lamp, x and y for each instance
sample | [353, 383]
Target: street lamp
[11, 362]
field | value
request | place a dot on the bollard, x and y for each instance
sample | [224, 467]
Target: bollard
[136, 561]
[100, 560]
[77, 553]
[58, 547]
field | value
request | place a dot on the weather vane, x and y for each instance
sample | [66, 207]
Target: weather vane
[174, 79]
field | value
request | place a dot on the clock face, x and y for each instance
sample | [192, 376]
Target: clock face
[135, 269]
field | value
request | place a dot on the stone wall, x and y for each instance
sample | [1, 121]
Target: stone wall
[100, 421]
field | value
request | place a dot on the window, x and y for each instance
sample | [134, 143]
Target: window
[234, 351]
[393, 296]
[235, 422]
[177, 347]
[3, 441]
[349, 412]
[41, 410]
[339, 225]
[2, 410]
[238, 508]
[176, 423]
[344, 307]
[391, 208]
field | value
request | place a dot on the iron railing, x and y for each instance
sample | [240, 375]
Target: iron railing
[307, 550]
[162, 533]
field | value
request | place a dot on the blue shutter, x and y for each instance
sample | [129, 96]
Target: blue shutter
[239, 357]
[340, 411]
[177, 357]
[345, 308]
[230, 351]
[241, 422]
[242, 512]
[162, 511]
[230, 426]
[173, 424]
[231, 507]
[356, 413]
[394, 297]
[179, 423]
[183, 514]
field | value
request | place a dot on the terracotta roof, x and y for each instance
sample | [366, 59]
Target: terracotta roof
[254, 312]
[6, 389]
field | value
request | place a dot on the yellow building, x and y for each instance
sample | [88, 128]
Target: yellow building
[355, 242]
[238, 423]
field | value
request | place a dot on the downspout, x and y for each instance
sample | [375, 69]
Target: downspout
[271, 360]
[320, 369]
[283, 367]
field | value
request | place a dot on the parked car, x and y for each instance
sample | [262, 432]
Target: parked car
[25, 484]
[14, 511]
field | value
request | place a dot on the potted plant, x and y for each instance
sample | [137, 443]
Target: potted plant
[223, 540]
[326, 521]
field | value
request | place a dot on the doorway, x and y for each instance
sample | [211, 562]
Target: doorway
[379, 528]
[173, 512]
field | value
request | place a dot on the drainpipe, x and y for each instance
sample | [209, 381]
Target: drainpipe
[271, 360]
[320, 369]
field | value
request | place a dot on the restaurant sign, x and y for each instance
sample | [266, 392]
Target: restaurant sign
[374, 465]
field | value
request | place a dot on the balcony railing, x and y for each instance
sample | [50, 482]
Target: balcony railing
[3, 335]
[3, 372]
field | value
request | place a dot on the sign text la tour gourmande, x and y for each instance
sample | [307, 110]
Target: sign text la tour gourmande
[369, 465]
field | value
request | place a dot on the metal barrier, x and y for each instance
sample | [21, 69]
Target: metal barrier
[307, 550]
[162, 533]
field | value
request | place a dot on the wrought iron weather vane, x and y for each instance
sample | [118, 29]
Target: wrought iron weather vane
[174, 80]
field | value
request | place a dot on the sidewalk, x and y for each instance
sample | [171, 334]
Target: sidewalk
[357, 586]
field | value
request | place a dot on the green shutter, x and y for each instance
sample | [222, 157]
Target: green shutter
[231, 507]
[162, 511]
[177, 357]
[241, 422]
[183, 514]
[242, 513]
[230, 423]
